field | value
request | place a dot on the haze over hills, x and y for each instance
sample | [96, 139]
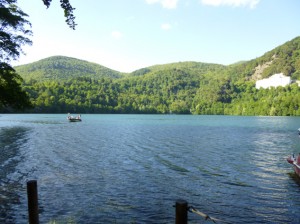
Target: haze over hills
[62, 84]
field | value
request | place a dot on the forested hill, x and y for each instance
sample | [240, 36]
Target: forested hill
[188, 66]
[181, 88]
[63, 68]
[283, 59]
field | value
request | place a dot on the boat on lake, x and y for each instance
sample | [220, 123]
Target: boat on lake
[74, 118]
[295, 161]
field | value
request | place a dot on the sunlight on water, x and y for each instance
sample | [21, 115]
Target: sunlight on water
[132, 168]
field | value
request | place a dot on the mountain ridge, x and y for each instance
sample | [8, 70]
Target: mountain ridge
[181, 87]
[273, 61]
[62, 67]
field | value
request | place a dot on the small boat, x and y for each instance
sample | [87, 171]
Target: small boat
[295, 161]
[74, 119]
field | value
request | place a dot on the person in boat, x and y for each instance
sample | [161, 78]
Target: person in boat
[72, 117]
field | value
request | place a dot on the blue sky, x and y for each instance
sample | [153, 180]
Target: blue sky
[126, 35]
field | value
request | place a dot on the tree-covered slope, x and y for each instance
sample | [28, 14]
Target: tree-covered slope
[182, 88]
[188, 66]
[282, 59]
[232, 91]
[62, 68]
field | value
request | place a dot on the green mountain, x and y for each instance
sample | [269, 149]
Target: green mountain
[62, 68]
[283, 59]
[182, 88]
[189, 66]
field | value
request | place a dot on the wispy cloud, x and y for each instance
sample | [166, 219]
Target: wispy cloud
[168, 4]
[234, 3]
[166, 26]
[116, 34]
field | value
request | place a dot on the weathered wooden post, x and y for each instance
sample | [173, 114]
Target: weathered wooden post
[181, 211]
[33, 208]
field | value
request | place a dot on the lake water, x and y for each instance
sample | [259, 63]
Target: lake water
[133, 168]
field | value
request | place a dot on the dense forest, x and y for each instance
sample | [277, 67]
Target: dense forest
[61, 85]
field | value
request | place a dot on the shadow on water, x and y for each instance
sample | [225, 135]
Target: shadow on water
[171, 165]
[295, 178]
[11, 140]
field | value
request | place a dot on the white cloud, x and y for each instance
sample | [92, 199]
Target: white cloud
[168, 4]
[234, 3]
[116, 35]
[166, 26]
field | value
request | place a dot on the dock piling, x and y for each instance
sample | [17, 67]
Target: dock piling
[32, 195]
[181, 211]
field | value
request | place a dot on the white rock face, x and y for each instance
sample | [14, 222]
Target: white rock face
[274, 81]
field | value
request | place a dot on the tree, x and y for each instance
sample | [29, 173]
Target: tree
[68, 11]
[11, 93]
[15, 32]
[15, 28]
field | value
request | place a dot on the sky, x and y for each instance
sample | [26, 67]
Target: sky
[127, 35]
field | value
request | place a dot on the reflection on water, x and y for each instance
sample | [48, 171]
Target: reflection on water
[295, 178]
[269, 159]
[132, 168]
[11, 140]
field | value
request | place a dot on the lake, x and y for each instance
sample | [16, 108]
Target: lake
[133, 168]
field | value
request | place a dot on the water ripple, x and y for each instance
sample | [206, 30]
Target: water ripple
[132, 168]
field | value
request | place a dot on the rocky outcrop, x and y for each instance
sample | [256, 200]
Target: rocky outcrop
[260, 69]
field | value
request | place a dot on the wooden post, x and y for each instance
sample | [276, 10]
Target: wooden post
[181, 212]
[33, 208]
